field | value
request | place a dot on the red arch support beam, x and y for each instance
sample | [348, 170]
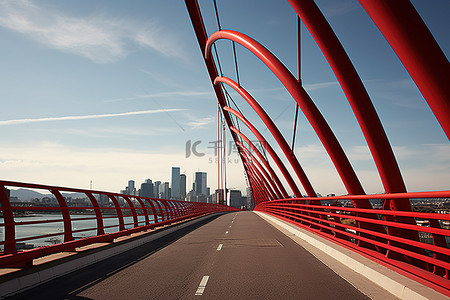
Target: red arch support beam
[269, 149]
[276, 184]
[357, 96]
[275, 132]
[419, 52]
[317, 121]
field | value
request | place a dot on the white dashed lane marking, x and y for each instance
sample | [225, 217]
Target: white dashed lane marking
[220, 247]
[202, 286]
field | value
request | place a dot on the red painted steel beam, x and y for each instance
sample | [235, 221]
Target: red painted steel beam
[417, 49]
[118, 211]
[317, 121]
[281, 192]
[269, 149]
[260, 172]
[255, 184]
[275, 133]
[270, 185]
[8, 217]
[65, 214]
[98, 214]
[356, 94]
[200, 32]
[361, 104]
[261, 192]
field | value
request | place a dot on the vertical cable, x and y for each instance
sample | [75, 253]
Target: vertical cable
[218, 153]
[224, 162]
[220, 28]
[217, 15]
[299, 63]
[299, 44]
[236, 63]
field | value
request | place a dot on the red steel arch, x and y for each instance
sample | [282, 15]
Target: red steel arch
[308, 107]
[278, 187]
[390, 232]
[275, 133]
[419, 52]
[269, 149]
[259, 171]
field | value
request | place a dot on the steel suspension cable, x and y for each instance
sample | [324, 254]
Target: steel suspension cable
[299, 63]
[218, 152]
[224, 133]
[220, 28]
[236, 64]
[217, 15]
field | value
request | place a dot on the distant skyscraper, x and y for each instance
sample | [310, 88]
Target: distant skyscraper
[156, 189]
[147, 189]
[250, 200]
[164, 191]
[200, 183]
[175, 188]
[218, 196]
[183, 186]
[235, 198]
[130, 188]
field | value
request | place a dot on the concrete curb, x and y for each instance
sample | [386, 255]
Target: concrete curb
[26, 279]
[396, 284]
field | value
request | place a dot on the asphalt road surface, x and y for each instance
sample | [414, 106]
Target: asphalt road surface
[230, 256]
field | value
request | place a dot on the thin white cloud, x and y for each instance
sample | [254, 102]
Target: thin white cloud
[98, 37]
[161, 95]
[67, 118]
[201, 122]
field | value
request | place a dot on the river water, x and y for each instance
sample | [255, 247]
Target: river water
[23, 231]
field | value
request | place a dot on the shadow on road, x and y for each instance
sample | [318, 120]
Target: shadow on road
[68, 286]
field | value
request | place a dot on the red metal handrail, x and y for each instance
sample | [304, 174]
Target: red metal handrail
[153, 213]
[341, 225]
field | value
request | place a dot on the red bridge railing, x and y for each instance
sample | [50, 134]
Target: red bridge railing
[100, 217]
[378, 233]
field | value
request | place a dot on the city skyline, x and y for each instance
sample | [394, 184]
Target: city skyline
[200, 191]
[106, 91]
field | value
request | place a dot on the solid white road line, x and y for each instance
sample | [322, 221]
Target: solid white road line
[202, 286]
[220, 247]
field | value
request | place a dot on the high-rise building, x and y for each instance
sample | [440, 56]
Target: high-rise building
[156, 189]
[182, 186]
[147, 189]
[218, 196]
[200, 183]
[131, 190]
[175, 188]
[164, 190]
[235, 198]
[250, 200]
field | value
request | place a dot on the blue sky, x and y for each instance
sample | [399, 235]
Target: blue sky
[111, 90]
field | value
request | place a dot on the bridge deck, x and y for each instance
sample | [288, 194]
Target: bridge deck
[243, 255]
